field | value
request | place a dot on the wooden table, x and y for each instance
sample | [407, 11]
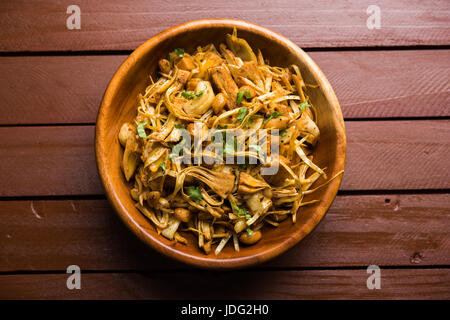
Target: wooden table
[393, 207]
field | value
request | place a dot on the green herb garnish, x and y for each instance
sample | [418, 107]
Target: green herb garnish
[163, 166]
[179, 52]
[240, 96]
[191, 96]
[274, 115]
[250, 120]
[238, 211]
[249, 231]
[195, 193]
[188, 95]
[179, 126]
[303, 105]
[283, 132]
[141, 129]
[242, 113]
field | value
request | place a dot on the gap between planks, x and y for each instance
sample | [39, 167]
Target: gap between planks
[199, 270]
[87, 124]
[128, 52]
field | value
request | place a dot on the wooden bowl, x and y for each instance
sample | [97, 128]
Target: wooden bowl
[119, 105]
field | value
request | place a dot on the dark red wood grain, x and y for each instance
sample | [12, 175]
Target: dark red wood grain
[114, 25]
[368, 84]
[381, 155]
[394, 211]
[386, 230]
[290, 285]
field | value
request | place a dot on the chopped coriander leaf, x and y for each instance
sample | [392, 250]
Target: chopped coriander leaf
[242, 113]
[141, 129]
[179, 126]
[195, 193]
[303, 105]
[179, 52]
[249, 231]
[250, 121]
[248, 217]
[163, 166]
[238, 211]
[283, 132]
[242, 212]
[240, 96]
[188, 95]
[191, 96]
[274, 115]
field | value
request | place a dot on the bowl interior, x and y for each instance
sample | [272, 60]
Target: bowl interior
[119, 105]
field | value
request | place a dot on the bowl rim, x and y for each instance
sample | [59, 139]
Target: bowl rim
[154, 242]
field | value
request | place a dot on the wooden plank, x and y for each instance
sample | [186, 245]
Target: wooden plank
[304, 284]
[388, 84]
[112, 25]
[382, 155]
[397, 155]
[48, 161]
[55, 89]
[386, 230]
